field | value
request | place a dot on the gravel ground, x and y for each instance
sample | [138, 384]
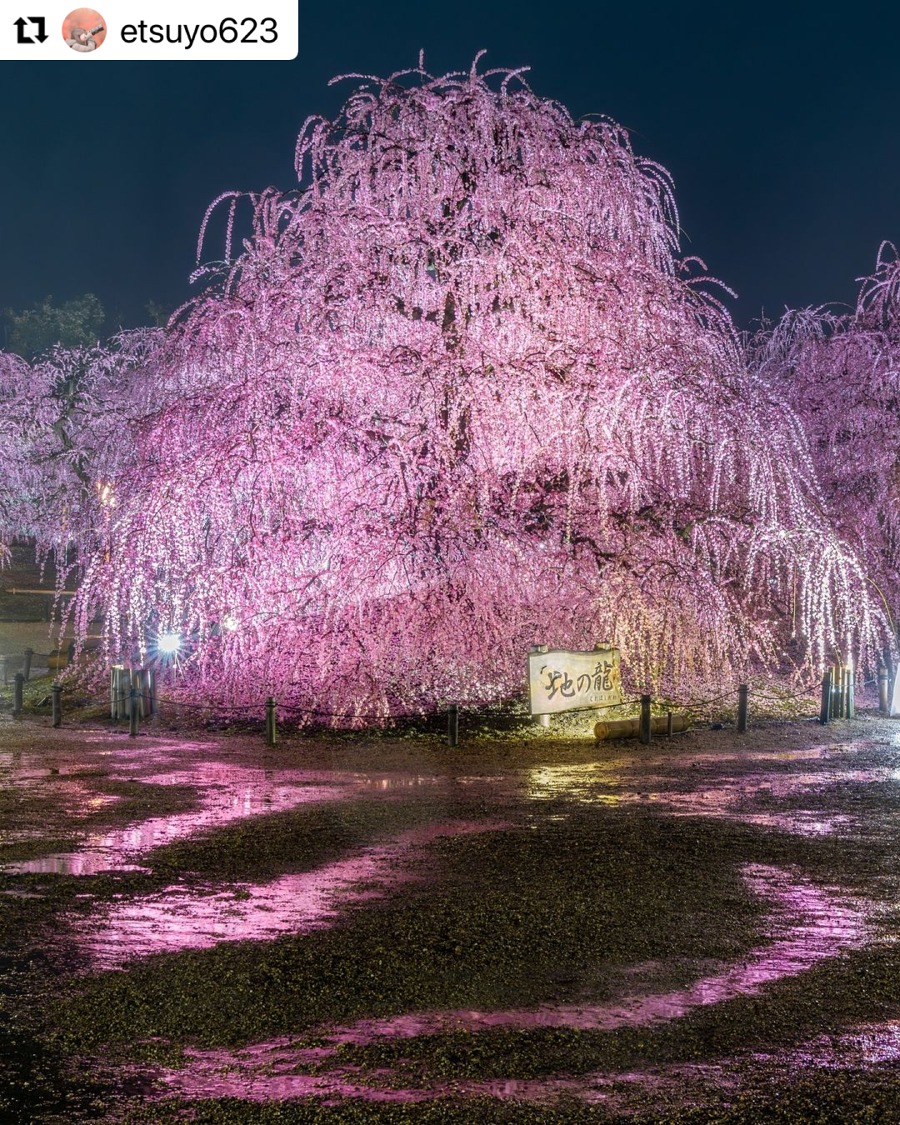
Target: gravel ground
[531, 927]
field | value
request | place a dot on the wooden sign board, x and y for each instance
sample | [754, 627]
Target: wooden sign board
[562, 680]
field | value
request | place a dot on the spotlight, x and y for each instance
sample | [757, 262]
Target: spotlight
[168, 643]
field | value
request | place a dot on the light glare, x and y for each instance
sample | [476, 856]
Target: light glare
[168, 643]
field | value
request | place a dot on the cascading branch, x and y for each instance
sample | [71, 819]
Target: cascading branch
[25, 423]
[457, 395]
[841, 374]
[66, 427]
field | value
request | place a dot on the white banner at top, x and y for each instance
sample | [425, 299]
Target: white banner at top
[148, 30]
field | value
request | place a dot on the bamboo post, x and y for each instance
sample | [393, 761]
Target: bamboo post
[56, 705]
[145, 682]
[29, 653]
[18, 705]
[825, 709]
[645, 724]
[743, 692]
[884, 704]
[837, 710]
[271, 722]
[137, 682]
[453, 725]
[150, 690]
[134, 710]
[124, 693]
[119, 692]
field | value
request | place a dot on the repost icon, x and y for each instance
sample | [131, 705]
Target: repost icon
[154, 30]
[31, 30]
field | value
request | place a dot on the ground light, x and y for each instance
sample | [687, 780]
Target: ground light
[169, 644]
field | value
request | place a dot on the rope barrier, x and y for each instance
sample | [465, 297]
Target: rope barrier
[267, 710]
[804, 695]
[251, 712]
[699, 704]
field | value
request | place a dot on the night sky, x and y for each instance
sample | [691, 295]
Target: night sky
[779, 123]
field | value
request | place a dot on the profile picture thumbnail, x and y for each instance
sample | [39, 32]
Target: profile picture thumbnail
[84, 30]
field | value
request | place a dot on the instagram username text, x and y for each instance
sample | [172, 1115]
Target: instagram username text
[246, 30]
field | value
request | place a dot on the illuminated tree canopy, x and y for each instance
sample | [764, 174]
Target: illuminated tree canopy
[67, 429]
[841, 373]
[457, 395]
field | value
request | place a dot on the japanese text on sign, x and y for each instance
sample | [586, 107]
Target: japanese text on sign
[561, 680]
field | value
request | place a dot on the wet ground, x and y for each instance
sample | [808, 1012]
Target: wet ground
[201, 928]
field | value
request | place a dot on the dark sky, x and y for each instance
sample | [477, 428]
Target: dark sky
[779, 122]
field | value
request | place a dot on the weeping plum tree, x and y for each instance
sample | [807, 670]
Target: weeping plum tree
[25, 421]
[66, 422]
[458, 395]
[841, 373]
[47, 408]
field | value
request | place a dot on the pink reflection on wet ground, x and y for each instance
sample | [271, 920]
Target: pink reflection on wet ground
[226, 793]
[691, 1085]
[602, 783]
[239, 1077]
[73, 801]
[33, 777]
[181, 918]
[865, 1045]
[808, 924]
[679, 1086]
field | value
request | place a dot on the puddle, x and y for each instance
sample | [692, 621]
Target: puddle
[600, 783]
[803, 822]
[239, 1078]
[389, 783]
[808, 924]
[269, 1072]
[73, 801]
[231, 792]
[692, 1085]
[226, 793]
[30, 777]
[865, 1045]
[180, 918]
